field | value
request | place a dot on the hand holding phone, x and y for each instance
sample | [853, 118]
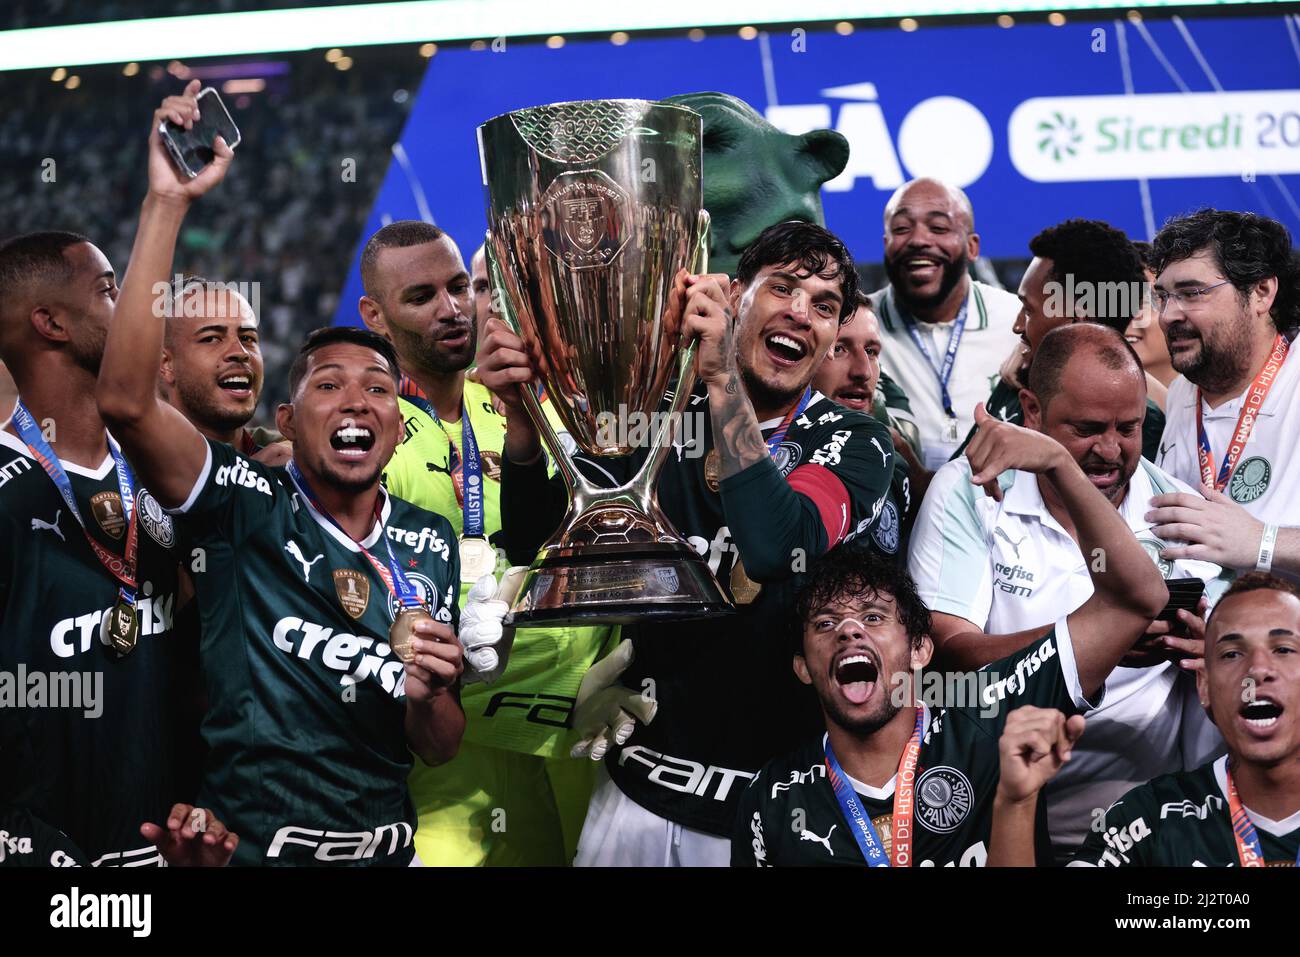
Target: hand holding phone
[174, 175]
[191, 147]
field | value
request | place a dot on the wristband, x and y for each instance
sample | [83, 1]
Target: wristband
[1266, 545]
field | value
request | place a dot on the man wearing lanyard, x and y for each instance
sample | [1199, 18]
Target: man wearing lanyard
[513, 795]
[946, 335]
[82, 539]
[1243, 809]
[327, 606]
[899, 779]
[1226, 293]
[780, 475]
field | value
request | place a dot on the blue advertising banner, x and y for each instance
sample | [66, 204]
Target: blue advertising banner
[1126, 121]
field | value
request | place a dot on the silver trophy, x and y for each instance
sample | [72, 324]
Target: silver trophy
[594, 207]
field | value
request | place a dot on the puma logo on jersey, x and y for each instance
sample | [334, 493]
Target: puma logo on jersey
[884, 456]
[1164, 449]
[39, 526]
[292, 548]
[999, 533]
[823, 841]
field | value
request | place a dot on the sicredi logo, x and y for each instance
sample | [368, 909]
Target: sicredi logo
[1156, 136]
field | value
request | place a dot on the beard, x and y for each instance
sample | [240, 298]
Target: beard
[345, 482]
[953, 270]
[87, 351]
[1221, 361]
[202, 407]
[765, 396]
[863, 725]
[425, 352]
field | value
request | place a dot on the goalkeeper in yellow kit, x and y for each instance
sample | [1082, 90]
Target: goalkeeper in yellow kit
[512, 795]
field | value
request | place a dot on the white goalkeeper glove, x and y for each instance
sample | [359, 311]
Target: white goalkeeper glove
[483, 636]
[605, 712]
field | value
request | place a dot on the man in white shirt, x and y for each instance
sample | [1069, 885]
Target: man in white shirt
[995, 569]
[1226, 290]
[946, 335]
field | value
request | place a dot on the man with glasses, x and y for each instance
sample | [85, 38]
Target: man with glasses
[1228, 295]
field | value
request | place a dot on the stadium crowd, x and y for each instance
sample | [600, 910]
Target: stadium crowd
[1037, 605]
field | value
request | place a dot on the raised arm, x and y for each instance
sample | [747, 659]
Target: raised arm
[164, 448]
[1128, 591]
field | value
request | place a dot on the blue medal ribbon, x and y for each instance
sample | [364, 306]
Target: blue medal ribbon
[393, 576]
[123, 568]
[873, 849]
[942, 373]
[774, 440]
[471, 471]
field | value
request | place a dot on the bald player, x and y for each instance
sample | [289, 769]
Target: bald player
[945, 335]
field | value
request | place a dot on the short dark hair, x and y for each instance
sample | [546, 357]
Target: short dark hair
[35, 258]
[1063, 343]
[331, 335]
[1247, 247]
[1254, 581]
[855, 570]
[1094, 253]
[1147, 253]
[814, 250]
[398, 235]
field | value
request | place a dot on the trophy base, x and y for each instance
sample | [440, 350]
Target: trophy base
[605, 586]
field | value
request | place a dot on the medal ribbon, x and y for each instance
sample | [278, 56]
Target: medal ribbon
[1245, 420]
[392, 575]
[472, 471]
[851, 807]
[123, 568]
[942, 373]
[1249, 851]
[774, 440]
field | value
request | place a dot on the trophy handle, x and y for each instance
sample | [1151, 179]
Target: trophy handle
[641, 485]
[580, 490]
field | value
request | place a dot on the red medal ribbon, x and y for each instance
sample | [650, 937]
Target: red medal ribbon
[1245, 421]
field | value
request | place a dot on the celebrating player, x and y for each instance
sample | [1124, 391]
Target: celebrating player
[80, 537]
[514, 760]
[781, 475]
[891, 782]
[212, 366]
[1244, 808]
[327, 606]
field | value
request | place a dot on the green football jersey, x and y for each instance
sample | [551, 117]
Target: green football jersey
[308, 757]
[789, 814]
[1182, 820]
[528, 708]
[88, 739]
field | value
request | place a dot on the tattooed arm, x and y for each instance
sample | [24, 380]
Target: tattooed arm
[711, 321]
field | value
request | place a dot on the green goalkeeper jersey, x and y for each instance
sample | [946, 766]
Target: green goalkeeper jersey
[528, 709]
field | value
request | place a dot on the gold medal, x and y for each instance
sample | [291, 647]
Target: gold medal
[743, 588]
[477, 558]
[120, 628]
[713, 470]
[402, 631]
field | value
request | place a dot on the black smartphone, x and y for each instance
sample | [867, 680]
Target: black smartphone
[1184, 594]
[191, 149]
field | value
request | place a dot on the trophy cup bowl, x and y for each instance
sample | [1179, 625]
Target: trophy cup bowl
[594, 207]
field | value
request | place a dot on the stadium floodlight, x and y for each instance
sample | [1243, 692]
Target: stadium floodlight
[420, 21]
